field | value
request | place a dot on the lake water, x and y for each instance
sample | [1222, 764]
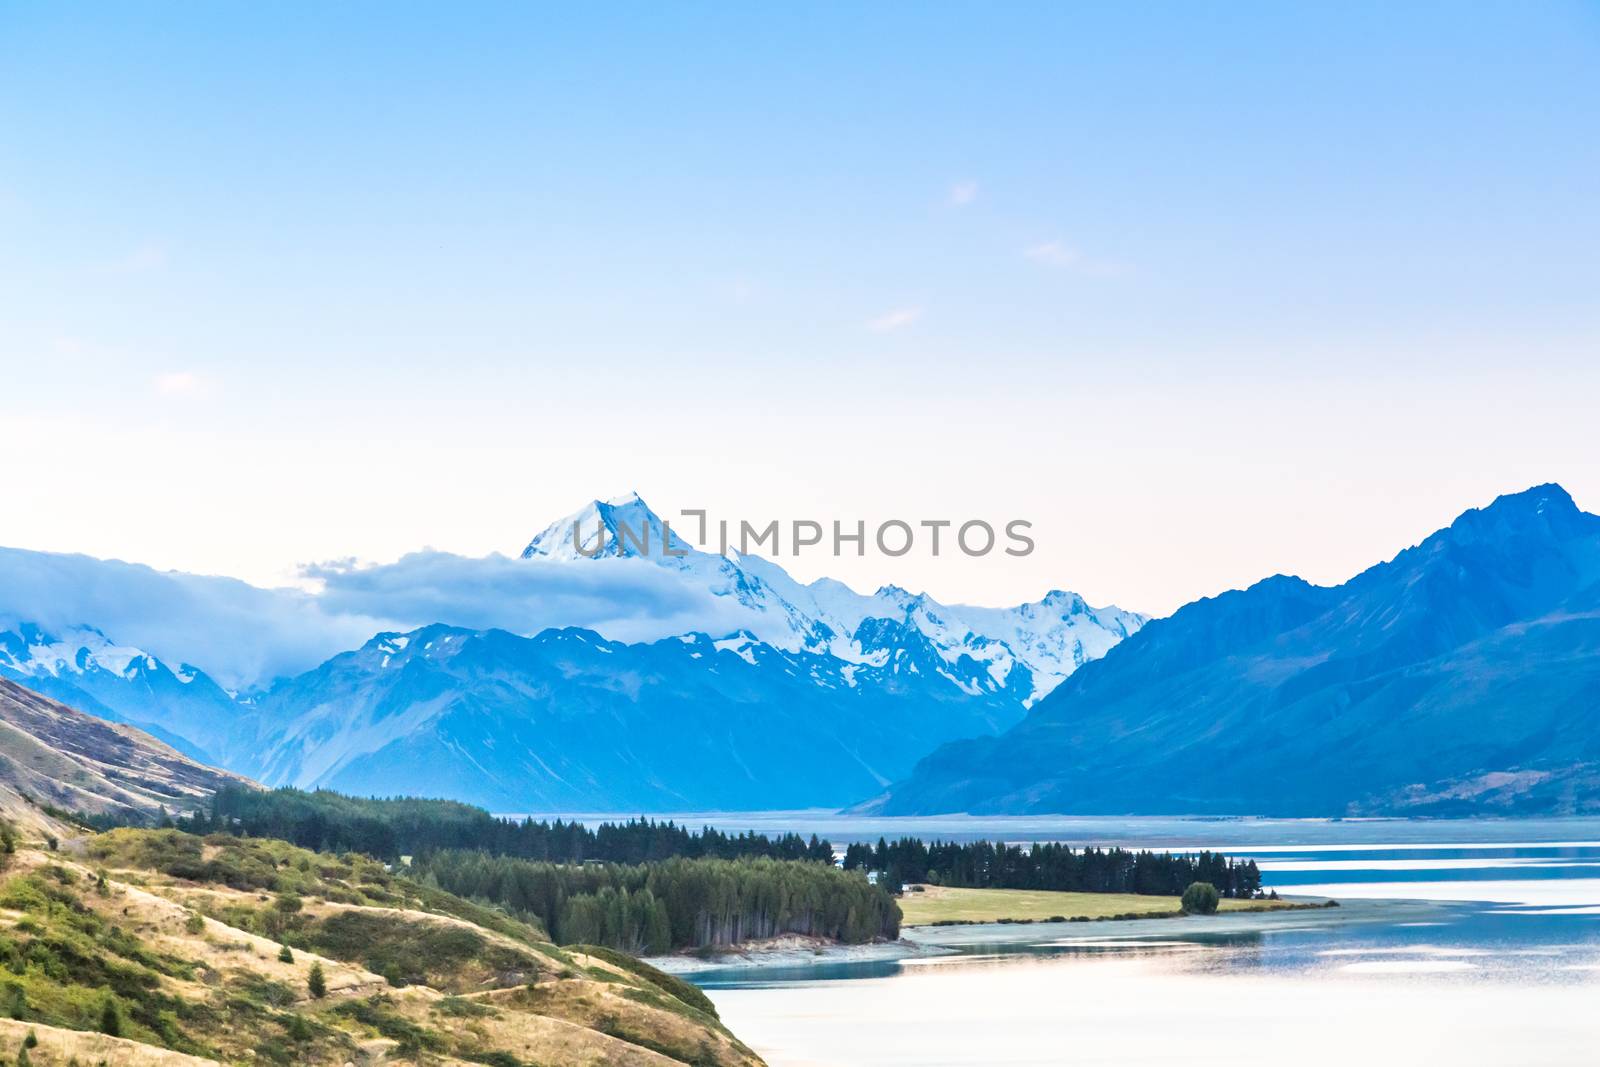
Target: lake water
[1467, 942]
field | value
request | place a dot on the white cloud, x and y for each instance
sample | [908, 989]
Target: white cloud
[177, 383]
[235, 632]
[1061, 256]
[243, 635]
[894, 320]
[961, 194]
[1053, 254]
[623, 599]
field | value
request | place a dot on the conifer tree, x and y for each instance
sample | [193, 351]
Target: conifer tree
[316, 983]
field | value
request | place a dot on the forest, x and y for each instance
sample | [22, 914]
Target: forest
[647, 886]
[391, 827]
[995, 865]
[672, 904]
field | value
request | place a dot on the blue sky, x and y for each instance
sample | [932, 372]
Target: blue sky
[1204, 291]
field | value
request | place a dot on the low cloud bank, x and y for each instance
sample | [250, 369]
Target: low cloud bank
[243, 635]
[624, 599]
[236, 632]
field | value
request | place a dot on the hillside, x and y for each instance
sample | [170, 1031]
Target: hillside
[77, 762]
[141, 947]
[1463, 676]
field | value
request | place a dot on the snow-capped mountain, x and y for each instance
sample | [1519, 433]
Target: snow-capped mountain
[765, 691]
[86, 669]
[1051, 638]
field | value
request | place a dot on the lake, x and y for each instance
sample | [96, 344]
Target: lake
[1461, 942]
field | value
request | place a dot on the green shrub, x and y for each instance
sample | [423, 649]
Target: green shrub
[1201, 898]
[111, 1017]
[407, 952]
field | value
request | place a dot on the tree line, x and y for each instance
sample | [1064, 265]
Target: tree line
[1046, 865]
[671, 904]
[390, 827]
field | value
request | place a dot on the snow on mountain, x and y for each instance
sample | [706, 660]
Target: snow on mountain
[566, 720]
[621, 527]
[84, 668]
[30, 652]
[807, 693]
[1052, 637]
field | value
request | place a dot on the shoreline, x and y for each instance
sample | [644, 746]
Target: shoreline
[955, 938]
[1132, 916]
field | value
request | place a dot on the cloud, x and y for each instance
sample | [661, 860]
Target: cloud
[236, 632]
[624, 599]
[961, 194]
[894, 320]
[245, 636]
[1064, 257]
[177, 383]
[1053, 254]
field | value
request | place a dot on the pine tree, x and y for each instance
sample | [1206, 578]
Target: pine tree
[284, 955]
[316, 983]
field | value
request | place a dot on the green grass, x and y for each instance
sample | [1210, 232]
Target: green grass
[453, 958]
[943, 905]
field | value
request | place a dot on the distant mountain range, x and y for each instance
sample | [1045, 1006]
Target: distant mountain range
[1463, 676]
[776, 694]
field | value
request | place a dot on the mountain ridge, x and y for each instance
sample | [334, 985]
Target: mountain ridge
[809, 694]
[81, 763]
[1464, 657]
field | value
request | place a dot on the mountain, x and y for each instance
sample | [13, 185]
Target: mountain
[568, 721]
[796, 694]
[81, 763]
[1050, 638]
[1462, 676]
[83, 668]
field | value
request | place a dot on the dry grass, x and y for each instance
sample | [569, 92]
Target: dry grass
[57, 1047]
[940, 904]
[552, 1007]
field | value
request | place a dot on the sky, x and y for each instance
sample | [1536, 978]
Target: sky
[1204, 292]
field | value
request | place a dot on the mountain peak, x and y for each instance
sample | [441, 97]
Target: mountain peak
[621, 527]
[1544, 510]
[1066, 601]
[1541, 499]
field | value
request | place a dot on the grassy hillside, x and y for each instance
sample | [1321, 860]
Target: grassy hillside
[156, 947]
